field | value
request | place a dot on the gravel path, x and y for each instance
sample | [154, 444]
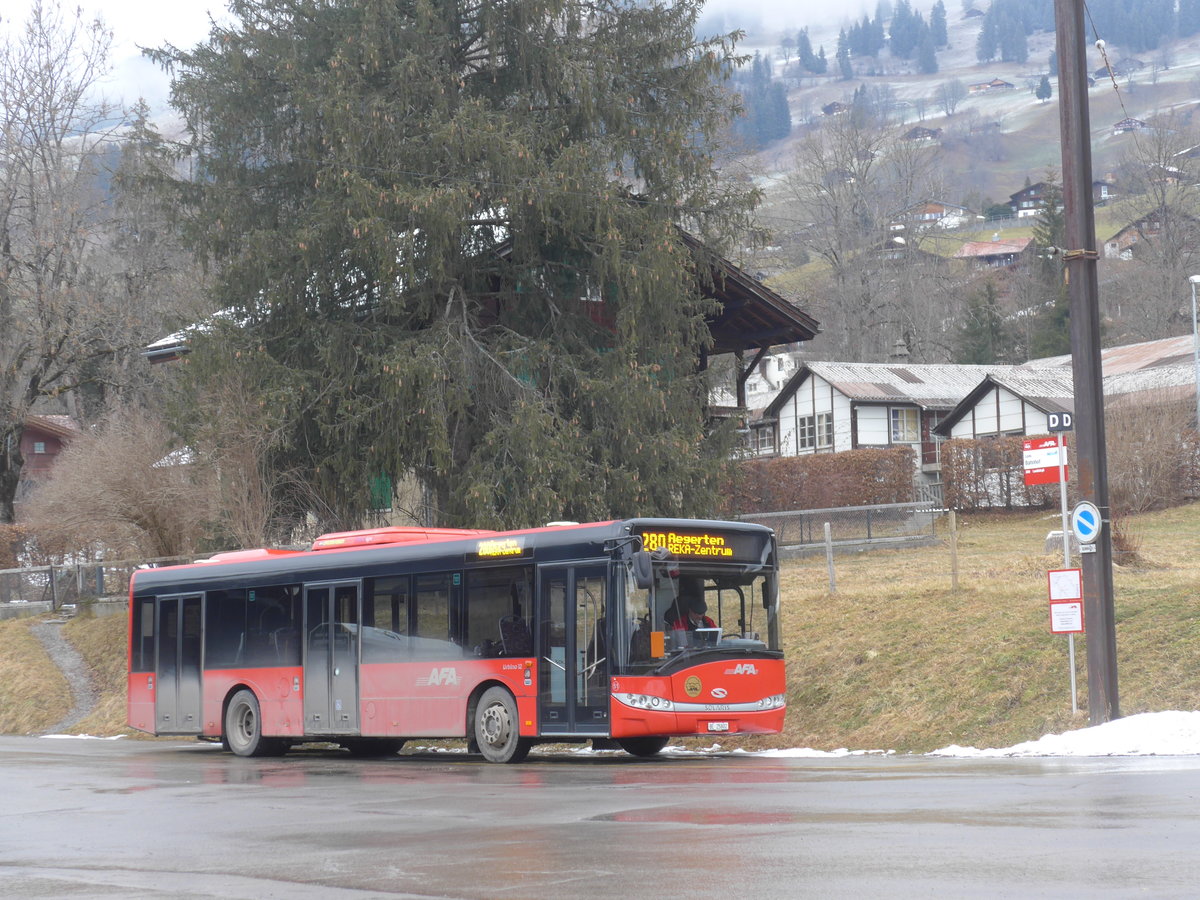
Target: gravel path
[76, 671]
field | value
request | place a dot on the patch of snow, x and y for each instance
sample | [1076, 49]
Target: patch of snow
[1146, 734]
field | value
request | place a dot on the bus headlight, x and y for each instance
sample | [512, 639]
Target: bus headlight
[775, 701]
[645, 701]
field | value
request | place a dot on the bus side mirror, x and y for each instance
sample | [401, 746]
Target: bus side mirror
[643, 570]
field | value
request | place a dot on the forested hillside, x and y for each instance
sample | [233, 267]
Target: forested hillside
[880, 128]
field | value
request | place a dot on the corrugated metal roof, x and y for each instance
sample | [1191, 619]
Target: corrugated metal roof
[973, 249]
[927, 385]
[1049, 389]
[1133, 357]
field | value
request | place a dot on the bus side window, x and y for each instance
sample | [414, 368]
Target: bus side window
[225, 629]
[493, 595]
[143, 636]
[386, 605]
[432, 597]
[273, 628]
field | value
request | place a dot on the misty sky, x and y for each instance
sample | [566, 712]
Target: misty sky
[152, 23]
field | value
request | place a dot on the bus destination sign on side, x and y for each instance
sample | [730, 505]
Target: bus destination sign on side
[691, 544]
[500, 548]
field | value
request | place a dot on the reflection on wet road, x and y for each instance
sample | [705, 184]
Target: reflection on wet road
[161, 819]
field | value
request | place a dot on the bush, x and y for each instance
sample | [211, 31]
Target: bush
[821, 481]
[989, 473]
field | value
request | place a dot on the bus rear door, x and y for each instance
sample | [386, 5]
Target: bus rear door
[177, 665]
[331, 617]
[573, 664]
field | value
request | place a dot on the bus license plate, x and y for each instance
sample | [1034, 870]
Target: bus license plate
[718, 726]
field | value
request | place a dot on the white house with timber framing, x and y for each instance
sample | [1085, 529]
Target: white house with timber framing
[828, 407]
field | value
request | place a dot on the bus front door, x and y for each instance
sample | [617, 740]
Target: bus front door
[573, 664]
[331, 618]
[177, 666]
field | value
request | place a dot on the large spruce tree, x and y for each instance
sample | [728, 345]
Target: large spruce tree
[448, 233]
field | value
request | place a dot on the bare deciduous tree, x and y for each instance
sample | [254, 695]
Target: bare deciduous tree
[54, 320]
[851, 183]
[128, 489]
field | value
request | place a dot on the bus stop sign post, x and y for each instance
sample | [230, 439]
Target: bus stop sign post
[1060, 423]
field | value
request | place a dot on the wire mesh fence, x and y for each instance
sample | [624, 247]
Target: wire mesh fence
[59, 585]
[852, 527]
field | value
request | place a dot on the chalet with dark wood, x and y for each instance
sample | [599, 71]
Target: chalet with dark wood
[1154, 225]
[989, 87]
[1029, 200]
[752, 318]
[1128, 125]
[921, 133]
[42, 441]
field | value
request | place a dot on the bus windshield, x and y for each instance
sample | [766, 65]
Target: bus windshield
[695, 608]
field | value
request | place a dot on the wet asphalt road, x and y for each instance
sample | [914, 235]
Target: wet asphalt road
[102, 819]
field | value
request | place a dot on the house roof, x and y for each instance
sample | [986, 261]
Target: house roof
[1133, 357]
[58, 426]
[983, 249]
[1163, 367]
[1050, 389]
[752, 315]
[936, 387]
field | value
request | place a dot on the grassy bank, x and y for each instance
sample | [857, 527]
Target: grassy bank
[894, 659]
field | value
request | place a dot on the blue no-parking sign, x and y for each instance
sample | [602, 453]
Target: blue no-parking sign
[1085, 521]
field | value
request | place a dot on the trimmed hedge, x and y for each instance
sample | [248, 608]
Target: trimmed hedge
[821, 481]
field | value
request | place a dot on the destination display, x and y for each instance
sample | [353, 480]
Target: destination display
[712, 545]
[500, 548]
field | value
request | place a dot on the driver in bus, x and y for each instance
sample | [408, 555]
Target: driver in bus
[690, 608]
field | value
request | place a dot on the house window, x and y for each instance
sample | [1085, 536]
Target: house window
[824, 430]
[762, 439]
[806, 433]
[906, 428]
[815, 432]
[39, 446]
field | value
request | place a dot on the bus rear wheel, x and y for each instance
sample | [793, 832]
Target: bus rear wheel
[642, 746]
[243, 728]
[497, 728]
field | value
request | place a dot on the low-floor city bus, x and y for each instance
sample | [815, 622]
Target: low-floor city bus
[566, 633]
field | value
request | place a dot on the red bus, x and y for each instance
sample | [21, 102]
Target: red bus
[507, 639]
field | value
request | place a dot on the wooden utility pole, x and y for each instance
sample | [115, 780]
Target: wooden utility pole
[1079, 258]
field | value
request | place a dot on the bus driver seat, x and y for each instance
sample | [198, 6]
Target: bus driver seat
[515, 636]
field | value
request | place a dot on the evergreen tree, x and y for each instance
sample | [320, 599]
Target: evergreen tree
[804, 52]
[450, 236]
[1011, 36]
[1051, 332]
[822, 63]
[983, 338]
[986, 43]
[937, 25]
[1188, 19]
[926, 57]
[845, 68]
[1044, 90]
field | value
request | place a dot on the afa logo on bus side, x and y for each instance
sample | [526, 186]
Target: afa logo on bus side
[692, 686]
[445, 675]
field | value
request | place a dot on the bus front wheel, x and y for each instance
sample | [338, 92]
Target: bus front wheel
[243, 728]
[642, 746]
[497, 728]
